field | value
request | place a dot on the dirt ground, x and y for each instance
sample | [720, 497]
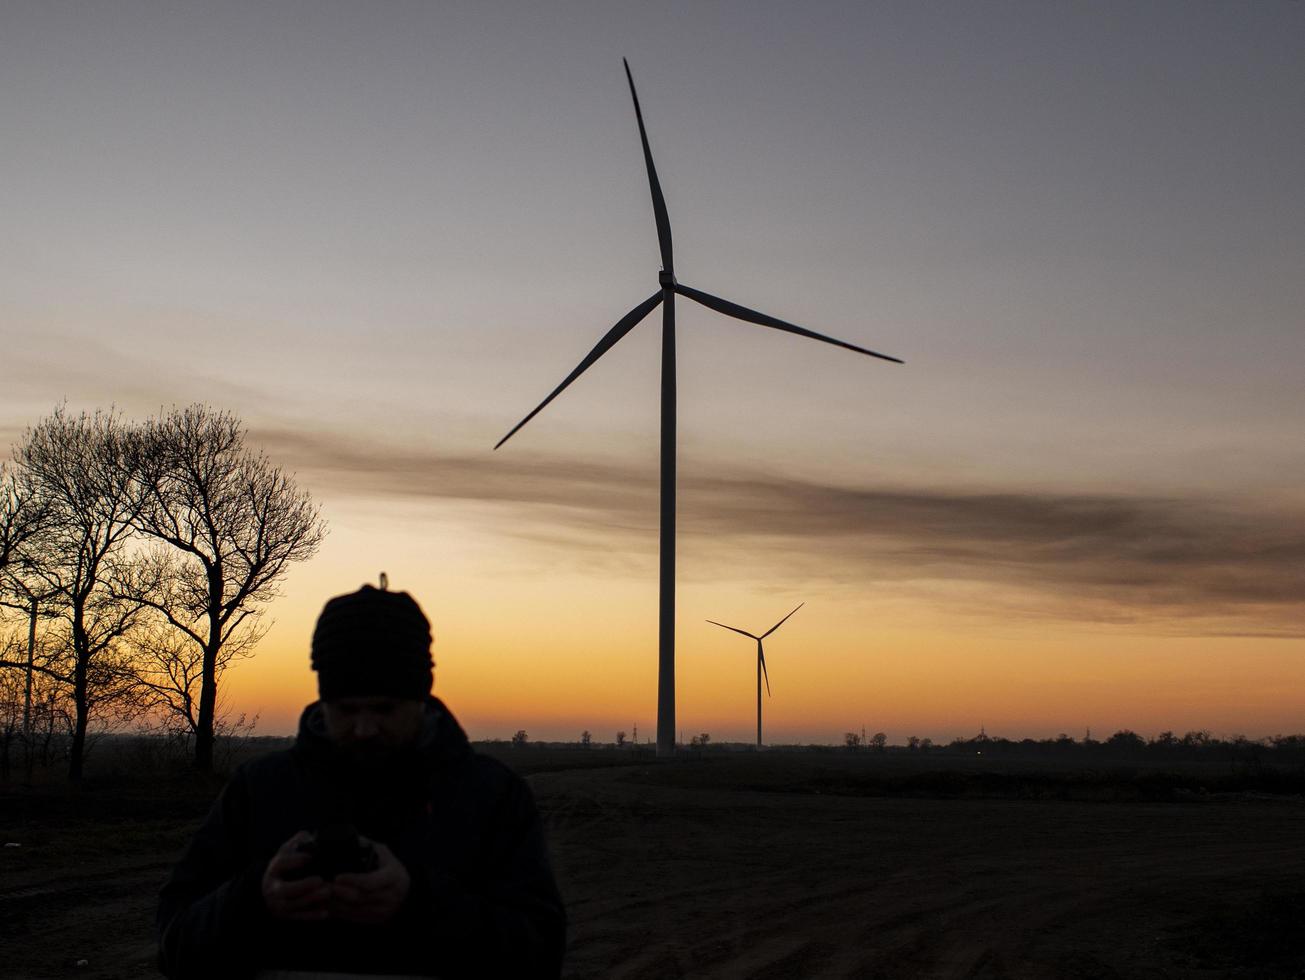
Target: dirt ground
[667, 880]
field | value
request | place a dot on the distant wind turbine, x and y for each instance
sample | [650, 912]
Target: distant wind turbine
[761, 660]
[666, 296]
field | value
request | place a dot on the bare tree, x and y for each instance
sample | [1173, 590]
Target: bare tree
[24, 591]
[234, 523]
[32, 711]
[22, 515]
[12, 728]
[78, 471]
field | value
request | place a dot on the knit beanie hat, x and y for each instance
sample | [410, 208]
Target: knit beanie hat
[373, 643]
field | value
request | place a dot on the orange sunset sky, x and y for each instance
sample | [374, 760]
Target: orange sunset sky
[380, 235]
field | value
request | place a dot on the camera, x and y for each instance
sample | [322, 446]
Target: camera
[337, 849]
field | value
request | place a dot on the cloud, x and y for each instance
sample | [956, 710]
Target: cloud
[41, 371]
[1182, 563]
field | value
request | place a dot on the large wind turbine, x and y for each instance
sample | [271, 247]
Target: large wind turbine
[665, 295]
[761, 660]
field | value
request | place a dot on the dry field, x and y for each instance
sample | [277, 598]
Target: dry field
[691, 870]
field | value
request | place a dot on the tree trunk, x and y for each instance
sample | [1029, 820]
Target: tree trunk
[204, 728]
[204, 735]
[77, 752]
[27, 699]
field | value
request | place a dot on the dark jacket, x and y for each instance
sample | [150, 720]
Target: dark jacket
[482, 902]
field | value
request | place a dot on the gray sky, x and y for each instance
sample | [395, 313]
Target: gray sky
[1081, 224]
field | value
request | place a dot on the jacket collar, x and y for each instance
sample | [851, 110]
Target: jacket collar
[441, 741]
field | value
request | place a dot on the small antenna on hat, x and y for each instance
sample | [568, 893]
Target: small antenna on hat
[385, 581]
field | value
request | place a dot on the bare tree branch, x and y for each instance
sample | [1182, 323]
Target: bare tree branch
[23, 515]
[235, 522]
[22, 665]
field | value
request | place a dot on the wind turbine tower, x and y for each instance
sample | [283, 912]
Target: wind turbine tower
[668, 287]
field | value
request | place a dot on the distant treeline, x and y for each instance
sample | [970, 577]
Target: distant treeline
[1124, 767]
[1116, 768]
[1124, 743]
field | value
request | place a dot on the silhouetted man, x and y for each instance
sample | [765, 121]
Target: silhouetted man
[380, 844]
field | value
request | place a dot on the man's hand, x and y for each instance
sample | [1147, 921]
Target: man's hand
[374, 896]
[304, 899]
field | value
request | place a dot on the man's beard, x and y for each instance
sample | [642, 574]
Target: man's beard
[377, 762]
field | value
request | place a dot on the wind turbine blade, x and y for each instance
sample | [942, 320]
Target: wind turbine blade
[752, 316]
[659, 202]
[781, 622]
[764, 673]
[723, 626]
[610, 339]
